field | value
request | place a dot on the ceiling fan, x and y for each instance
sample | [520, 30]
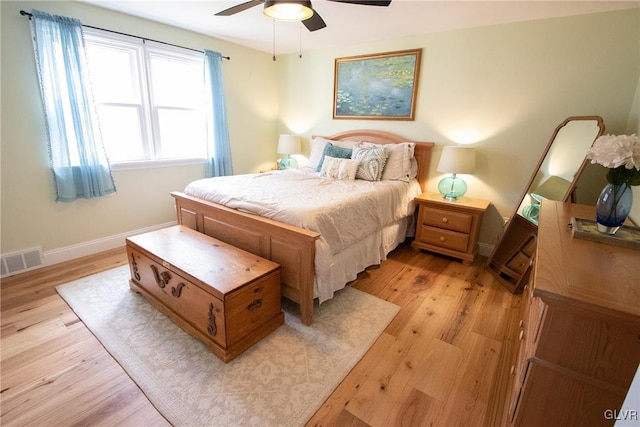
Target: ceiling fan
[295, 10]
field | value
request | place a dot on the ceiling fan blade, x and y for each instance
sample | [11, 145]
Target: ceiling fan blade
[366, 2]
[239, 8]
[315, 22]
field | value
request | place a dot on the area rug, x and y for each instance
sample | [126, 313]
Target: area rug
[281, 381]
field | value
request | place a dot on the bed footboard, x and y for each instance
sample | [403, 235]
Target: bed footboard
[291, 247]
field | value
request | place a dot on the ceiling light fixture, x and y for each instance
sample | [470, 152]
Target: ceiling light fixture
[288, 10]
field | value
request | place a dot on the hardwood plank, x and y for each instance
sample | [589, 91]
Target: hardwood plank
[414, 410]
[29, 338]
[333, 408]
[38, 311]
[443, 360]
[54, 371]
[475, 382]
[379, 391]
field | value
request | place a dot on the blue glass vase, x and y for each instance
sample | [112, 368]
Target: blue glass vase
[613, 207]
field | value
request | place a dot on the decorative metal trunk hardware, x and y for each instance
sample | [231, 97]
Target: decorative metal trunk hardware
[212, 321]
[177, 290]
[134, 267]
[161, 278]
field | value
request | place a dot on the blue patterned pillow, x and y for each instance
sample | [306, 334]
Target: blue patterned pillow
[372, 161]
[334, 151]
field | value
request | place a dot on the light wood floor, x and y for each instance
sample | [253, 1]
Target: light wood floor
[443, 361]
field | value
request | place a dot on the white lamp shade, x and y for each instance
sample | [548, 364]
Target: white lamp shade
[457, 159]
[289, 144]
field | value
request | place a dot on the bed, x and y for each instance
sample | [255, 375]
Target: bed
[301, 252]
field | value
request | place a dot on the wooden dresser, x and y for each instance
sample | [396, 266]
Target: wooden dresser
[226, 297]
[449, 227]
[578, 343]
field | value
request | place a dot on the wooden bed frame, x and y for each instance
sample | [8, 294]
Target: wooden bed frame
[291, 247]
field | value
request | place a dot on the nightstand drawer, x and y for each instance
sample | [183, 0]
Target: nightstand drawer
[444, 238]
[449, 227]
[519, 262]
[449, 220]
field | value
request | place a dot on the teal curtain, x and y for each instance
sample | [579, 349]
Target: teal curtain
[76, 152]
[219, 163]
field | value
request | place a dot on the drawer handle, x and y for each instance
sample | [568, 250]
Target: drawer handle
[442, 238]
[176, 291]
[445, 219]
[161, 278]
[521, 335]
[213, 330]
[512, 370]
[255, 304]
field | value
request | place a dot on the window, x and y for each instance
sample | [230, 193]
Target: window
[150, 99]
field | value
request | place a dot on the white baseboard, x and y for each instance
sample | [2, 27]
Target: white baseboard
[94, 246]
[99, 245]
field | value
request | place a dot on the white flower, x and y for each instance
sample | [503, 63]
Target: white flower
[612, 151]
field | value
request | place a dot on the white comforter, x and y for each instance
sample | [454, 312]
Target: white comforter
[343, 212]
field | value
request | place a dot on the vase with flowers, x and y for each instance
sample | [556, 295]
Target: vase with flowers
[621, 155]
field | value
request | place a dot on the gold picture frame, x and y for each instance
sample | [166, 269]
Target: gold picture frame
[381, 86]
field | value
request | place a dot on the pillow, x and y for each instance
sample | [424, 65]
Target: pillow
[317, 148]
[414, 168]
[398, 166]
[336, 168]
[334, 151]
[372, 161]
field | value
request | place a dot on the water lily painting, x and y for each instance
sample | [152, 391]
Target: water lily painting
[381, 86]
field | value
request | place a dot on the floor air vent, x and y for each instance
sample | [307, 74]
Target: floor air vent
[18, 262]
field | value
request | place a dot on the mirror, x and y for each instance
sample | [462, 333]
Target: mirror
[554, 178]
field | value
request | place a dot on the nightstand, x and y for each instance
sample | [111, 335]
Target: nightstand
[449, 228]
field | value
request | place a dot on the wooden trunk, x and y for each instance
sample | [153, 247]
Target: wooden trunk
[226, 297]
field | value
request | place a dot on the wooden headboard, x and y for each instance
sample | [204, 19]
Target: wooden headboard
[422, 151]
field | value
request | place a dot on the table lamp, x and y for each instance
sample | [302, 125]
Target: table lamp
[288, 144]
[455, 160]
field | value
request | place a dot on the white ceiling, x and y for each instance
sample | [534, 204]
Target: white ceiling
[347, 23]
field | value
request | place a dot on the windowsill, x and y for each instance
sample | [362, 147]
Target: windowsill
[149, 164]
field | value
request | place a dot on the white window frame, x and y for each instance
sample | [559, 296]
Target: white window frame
[149, 115]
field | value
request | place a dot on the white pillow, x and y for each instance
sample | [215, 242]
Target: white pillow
[372, 161]
[414, 168]
[317, 148]
[342, 169]
[398, 166]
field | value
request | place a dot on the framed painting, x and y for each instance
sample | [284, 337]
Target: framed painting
[377, 87]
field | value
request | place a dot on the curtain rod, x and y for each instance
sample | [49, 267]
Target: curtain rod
[30, 15]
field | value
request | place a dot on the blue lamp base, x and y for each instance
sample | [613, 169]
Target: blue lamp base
[452, 187]
[287, 163]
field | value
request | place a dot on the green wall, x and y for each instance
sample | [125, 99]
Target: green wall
[31, 217]
[503, 87]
